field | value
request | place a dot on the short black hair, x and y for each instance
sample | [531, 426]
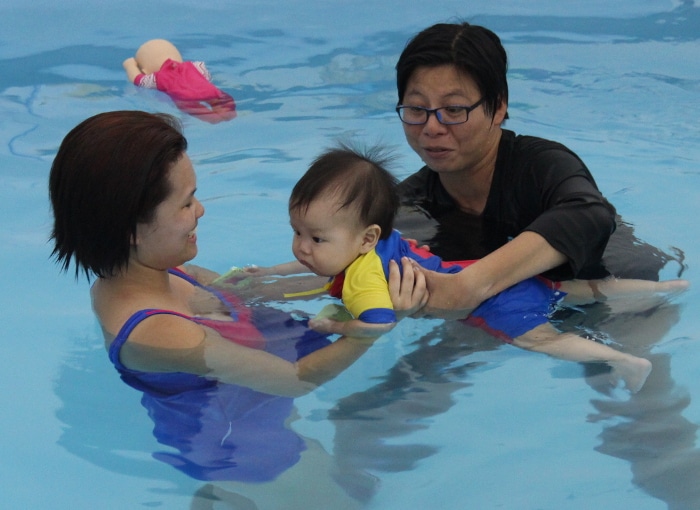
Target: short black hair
[110, 173]
[474, 50]
[360, 180]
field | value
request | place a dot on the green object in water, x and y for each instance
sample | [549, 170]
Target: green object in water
[336, 312]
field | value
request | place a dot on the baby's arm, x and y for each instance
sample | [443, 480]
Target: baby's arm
[131, 68]
[285, 269]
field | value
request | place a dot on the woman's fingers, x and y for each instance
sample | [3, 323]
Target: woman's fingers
[407, 286]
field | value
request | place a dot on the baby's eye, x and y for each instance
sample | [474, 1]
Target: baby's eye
[317, 239]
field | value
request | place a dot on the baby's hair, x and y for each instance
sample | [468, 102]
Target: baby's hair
[358, 178]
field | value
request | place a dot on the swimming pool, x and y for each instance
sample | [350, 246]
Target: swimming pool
[427, 418]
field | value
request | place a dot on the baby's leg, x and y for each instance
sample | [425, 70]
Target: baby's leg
[546, 339]
[580, 292]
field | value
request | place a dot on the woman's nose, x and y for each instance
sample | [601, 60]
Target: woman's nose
[433, 125]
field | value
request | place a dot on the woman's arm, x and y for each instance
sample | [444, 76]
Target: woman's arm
[167, 343]
[525, 256]
[268, 373]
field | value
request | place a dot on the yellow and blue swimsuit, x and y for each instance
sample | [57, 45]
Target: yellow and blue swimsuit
[364, 291]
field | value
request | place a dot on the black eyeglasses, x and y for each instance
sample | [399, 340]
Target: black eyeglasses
[448, 115]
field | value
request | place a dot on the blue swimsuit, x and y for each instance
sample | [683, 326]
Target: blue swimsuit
[222, 431]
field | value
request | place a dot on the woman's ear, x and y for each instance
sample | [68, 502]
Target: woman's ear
[370, 238]
[135, 238]
[500, 114]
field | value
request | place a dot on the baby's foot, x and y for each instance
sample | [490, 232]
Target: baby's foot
[672, 286]
[653, 295]
[633, 372]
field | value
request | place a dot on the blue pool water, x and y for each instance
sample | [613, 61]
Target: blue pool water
[428, 418]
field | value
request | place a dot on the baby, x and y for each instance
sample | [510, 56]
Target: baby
[342, 212]
[159, 65]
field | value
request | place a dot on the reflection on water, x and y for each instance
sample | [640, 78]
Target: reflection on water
[649, 430]
[420, 386]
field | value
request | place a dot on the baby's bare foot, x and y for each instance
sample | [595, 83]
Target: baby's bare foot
[672, 286]
[656, 294]
[633, 372]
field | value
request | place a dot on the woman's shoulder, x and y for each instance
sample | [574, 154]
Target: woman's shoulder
[417, 179]
[525, 155]
[424, 188]
[528, 146]
[118, 304]
[166, 329]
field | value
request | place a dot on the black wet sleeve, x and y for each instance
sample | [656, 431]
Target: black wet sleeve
[575, 218]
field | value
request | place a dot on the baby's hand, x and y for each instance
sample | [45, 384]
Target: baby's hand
[326, 326]
[231, 277]
[285, 269]
[254, 270]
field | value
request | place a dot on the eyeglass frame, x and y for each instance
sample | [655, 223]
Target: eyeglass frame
[436, 112]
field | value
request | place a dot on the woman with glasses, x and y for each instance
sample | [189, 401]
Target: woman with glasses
[522, 205]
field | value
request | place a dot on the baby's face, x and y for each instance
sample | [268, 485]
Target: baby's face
[326, 239]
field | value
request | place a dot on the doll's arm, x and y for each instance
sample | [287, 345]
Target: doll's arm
[131, 68]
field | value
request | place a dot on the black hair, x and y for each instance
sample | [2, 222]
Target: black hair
[110, 173]
[358, 178]
[474, 50]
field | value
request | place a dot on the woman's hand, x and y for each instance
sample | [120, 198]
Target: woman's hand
[448, 295]
[409, 293]
[353, 328]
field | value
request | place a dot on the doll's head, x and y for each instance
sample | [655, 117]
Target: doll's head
[152, 54]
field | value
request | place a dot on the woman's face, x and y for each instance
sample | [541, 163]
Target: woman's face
[457, 147]
[170, 239]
